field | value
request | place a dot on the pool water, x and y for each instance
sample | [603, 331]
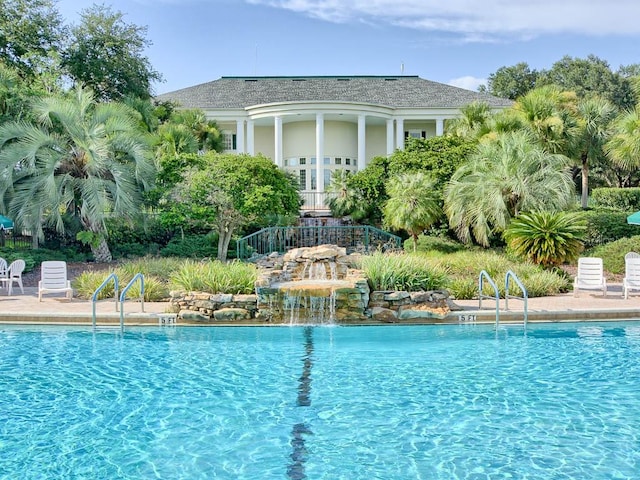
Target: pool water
[415, 402]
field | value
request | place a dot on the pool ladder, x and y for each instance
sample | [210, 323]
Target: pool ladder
[123, 296]
[509, 276]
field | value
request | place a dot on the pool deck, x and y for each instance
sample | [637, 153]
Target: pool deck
[26, 309]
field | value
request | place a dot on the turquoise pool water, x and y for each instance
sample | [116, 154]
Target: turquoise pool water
[419, 402]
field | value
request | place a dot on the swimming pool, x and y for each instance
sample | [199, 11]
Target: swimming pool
[415, 402]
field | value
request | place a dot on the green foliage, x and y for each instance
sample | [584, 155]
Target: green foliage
[604, 226]
[503, 178]
[412, 205]
[156, 273]
[464, 270]
[623, 199]
[412, 273]
[547, 238]
[369, 188]
[192, 246]
[428, 243]
[107, 55]
[215, 277]
[512, 82]
[613, 253]
[146, 236]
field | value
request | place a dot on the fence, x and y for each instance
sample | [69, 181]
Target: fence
[363, 238]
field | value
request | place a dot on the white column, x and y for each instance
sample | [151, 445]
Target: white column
[439, 126]
[389, 136]
[362, 142]
[319, 152]
[400, 133]
[240, 136]
[277, 129]
[251, 150]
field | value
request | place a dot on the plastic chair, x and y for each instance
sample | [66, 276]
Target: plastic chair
[631, 280]
[14, 275]
[590, 276]
[3, 267]
[53, 279]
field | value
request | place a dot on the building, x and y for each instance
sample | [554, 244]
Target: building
[313, 126]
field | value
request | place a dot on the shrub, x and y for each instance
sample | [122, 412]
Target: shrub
[623, 199]
[546, 238]
[613, 253]
[215, 277]
[604, 226]
[409, 272]
[192, 246]
[428, 243]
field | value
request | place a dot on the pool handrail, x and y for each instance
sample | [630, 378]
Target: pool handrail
[525, 296]
[496, 297]
[123, 296]
[94, 297]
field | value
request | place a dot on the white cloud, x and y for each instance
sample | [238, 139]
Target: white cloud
[468, 82]
[480, 21]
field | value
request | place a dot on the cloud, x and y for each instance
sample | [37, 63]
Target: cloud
[490, 20]
[468, 82]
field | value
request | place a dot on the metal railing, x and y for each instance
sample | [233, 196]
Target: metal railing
[281, 239]
[496, 296]
[94, 297]
[512, 276]
[312, 200]
[123, 296]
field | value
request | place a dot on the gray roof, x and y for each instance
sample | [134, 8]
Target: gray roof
[389, 91]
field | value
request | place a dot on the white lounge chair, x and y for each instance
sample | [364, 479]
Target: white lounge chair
[632, 255]
[631, 280]
[14, 275]
[53, 279]
[590, 276]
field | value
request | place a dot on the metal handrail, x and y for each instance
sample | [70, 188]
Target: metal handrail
[510, 275]
[123, 296]
[94, 297]
[485, 275]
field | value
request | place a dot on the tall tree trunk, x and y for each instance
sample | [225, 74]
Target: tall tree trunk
[101, 253]
[585, 182]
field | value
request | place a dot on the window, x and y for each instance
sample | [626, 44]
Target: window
[229, 141]
[326, 161]
[338, 161]
[415, 134]
[303, 179]
[303, 161]
[327, 177]
[313, 180]
[313, 160]
[347, 161]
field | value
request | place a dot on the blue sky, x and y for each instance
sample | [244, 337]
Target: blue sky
[459, 42]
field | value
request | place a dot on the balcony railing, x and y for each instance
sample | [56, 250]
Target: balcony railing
[312, 200]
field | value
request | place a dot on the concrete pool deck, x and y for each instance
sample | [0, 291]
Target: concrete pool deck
[26, 309]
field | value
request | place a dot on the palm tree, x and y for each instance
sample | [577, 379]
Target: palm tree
[547, 112]
[473, 122]
[587, 139]
[343, 199]
[413, 204]
[82, 158]
[624, 146]
[505, 177]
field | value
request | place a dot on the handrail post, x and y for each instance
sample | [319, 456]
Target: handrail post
[484, 274]
[123, 296]
[94, 297]
[525, 295]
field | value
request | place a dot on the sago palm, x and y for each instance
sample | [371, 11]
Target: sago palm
[413, 204]
[547, 238]
[82, 158]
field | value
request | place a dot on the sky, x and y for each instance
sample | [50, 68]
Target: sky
[458, 42]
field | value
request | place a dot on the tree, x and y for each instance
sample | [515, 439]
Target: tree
[587, 140]
[512, 82]
[473, 122]
[227, 192]
[31, 33]
[548, 114]
[82, 158]
[624, 145]
[590, 76]
[106, 54]
[504, 178]
[413, 204]
[343, 199]
[547, 238]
